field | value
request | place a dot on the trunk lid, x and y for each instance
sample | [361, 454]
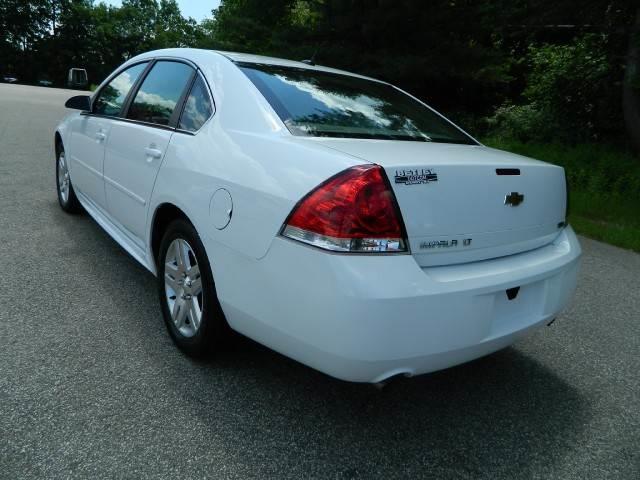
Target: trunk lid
[465, 203]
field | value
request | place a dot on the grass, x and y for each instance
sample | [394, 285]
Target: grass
[604, 187]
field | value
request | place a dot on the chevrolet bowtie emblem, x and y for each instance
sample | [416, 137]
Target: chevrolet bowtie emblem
[514, 199]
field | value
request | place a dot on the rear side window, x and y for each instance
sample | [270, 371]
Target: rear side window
[160, 92]
[112, 96]
[198, 107]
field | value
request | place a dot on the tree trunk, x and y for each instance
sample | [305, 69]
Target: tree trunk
[631, 87]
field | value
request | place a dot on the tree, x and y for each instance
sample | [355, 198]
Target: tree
[22, 24]
[247, 25]
[171, 28]
[71, 42]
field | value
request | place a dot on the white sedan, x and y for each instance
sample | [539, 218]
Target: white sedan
[330, 216]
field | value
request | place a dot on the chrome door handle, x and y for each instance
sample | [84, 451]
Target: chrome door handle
[152, 153]
[100, 136]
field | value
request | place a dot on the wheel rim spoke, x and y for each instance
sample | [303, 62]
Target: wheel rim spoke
[182, 254]
[173, 270]
[171, 282]
[194, 313]
[180, 309]
[196, 287]
[194, 271]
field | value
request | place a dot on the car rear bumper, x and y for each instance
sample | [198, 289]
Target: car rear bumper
[366, 318]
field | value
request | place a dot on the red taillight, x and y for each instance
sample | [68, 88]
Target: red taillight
[355, 211]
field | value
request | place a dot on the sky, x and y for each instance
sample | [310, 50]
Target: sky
[198, 9]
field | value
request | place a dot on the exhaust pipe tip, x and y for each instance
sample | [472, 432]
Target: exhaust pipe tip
[382, 384]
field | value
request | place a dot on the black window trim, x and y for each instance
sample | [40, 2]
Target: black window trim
[122, 115]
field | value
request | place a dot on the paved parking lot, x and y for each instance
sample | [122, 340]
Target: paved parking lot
[92, 387]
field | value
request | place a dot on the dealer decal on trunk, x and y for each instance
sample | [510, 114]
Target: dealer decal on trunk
[416, 177]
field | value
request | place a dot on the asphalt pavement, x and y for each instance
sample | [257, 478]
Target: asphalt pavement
[92, 387]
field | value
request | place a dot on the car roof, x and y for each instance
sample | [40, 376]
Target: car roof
[199, 55]
[265, 60]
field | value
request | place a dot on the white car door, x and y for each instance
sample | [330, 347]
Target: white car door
[86, 156]
[136, 147]
[91, 130]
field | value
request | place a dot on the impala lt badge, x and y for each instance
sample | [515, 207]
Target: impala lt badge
[513, 199]
[466, 242]
[415, 177]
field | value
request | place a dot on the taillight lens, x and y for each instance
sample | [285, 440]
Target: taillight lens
[354, 211]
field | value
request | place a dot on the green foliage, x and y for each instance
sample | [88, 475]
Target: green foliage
[520, 122]
[568, 83]
[248, 25]
[23, 23]
[567, 95]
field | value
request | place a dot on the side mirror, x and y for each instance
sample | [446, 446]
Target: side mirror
[79, 102]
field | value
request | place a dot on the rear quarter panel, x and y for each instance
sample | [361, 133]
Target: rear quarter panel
[266, 175]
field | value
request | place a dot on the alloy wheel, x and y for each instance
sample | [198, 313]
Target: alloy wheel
[63, 178]
[183, 287]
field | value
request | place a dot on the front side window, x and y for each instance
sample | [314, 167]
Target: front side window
[111, 98]
[160, 92]
[198, 107]
[326, 104]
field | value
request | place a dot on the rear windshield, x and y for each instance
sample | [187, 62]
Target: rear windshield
[323, 104]
[79, 75]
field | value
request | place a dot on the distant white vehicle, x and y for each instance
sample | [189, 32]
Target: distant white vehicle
[329, 216]
[77, 78]
[7, 78]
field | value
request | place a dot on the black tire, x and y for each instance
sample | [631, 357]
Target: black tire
[212, 329]
[68, 201]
